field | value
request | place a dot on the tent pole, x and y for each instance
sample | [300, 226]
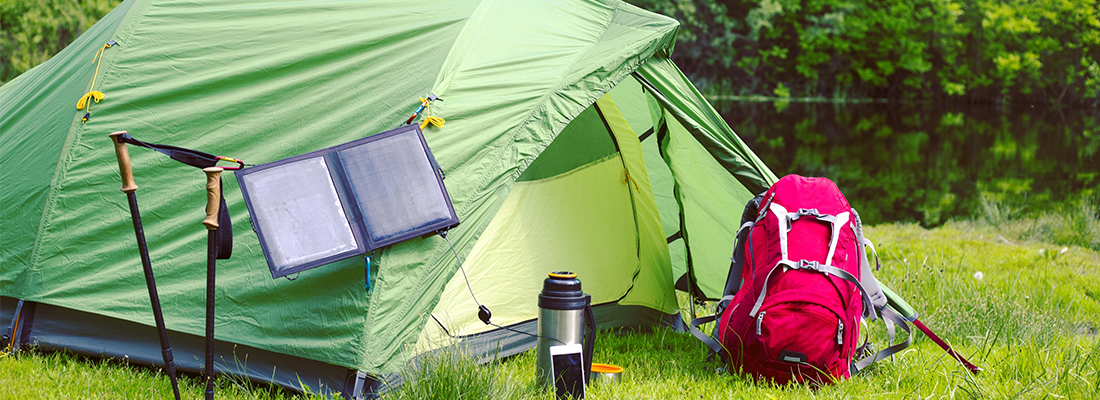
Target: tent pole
[12, 347]
[213, 197]
[130, 187]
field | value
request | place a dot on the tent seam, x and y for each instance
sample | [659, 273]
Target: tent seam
[633, 201]
[461, 58]
[72, 141]
[697, 132]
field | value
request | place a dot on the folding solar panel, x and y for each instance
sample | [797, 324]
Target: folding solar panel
[343, 201]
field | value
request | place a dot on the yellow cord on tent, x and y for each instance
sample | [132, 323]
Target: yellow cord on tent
[95, 95]
[428, 119]
[630, 179]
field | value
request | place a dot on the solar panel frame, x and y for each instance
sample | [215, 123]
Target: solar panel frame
[346, 183]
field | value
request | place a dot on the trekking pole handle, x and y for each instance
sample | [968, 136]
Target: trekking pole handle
[123, 156]
[213, 196]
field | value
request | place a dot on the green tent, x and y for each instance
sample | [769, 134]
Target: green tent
[571, 142]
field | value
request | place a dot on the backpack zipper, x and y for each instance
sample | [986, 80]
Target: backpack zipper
[759, 321]
[840, 332]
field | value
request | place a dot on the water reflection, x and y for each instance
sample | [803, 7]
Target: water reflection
[928, 163]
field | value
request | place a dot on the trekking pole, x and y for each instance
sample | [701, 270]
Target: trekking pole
[907, 311]
[213, 200]
[129, 187]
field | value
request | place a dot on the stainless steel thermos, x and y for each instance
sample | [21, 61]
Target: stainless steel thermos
[564, 313]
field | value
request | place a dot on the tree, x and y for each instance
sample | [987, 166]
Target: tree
[32, 31]
[979, 50]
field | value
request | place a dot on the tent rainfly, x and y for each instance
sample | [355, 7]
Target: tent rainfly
[571, 142]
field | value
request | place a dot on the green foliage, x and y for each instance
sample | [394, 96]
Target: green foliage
[975, 50]
[978, 50]
[32, 31]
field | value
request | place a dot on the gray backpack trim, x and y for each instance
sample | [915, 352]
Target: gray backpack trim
[867, 276]
[877, 298]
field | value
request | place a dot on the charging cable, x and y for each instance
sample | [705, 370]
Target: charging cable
[483, 312]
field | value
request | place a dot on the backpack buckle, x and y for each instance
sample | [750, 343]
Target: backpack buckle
[808, 211]
[810, 265]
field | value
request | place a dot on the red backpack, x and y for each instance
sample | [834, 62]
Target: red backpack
[797, 313]
[799, 284]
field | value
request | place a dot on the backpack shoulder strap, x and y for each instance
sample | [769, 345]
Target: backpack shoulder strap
[737, 260]
[866, 275]
[715, 347]
[693, 327]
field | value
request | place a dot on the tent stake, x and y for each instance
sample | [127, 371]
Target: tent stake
[129, 187]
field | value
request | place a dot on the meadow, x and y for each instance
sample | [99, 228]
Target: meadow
[1018, 295]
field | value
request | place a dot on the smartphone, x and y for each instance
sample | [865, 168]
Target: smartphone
[568, 366]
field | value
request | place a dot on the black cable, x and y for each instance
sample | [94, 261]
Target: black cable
[463, 269]
[483, 312]
[528, 333]
[441, 326]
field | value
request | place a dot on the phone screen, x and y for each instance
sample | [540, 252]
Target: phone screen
[568, 367]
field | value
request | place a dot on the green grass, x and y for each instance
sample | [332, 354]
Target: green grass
[1030, 319]
[1030, 322]
[33, 374]
[1074, 221]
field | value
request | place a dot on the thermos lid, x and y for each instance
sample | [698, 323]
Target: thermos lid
[562, 291]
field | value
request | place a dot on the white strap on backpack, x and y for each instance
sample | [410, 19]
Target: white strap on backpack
[835, 223]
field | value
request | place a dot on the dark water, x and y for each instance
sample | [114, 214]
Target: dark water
[929, 163]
